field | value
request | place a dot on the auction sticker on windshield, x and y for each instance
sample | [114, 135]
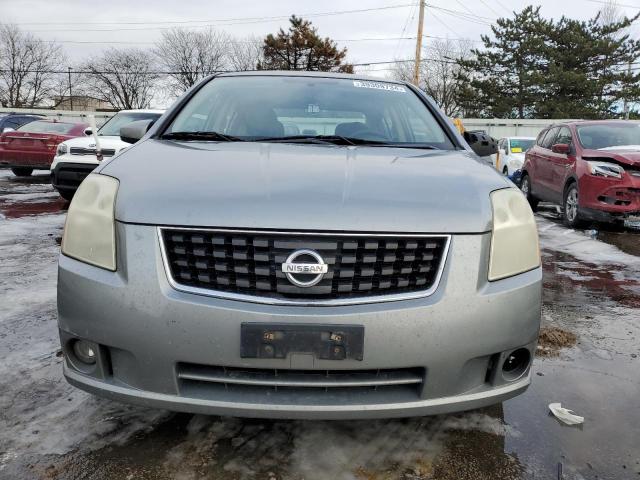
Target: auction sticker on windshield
[378, 85]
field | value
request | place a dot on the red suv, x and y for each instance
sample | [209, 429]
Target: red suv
[591, 168]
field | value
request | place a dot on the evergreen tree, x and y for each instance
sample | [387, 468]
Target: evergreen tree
[587, 74]
[535, 67]
[301, 48]
[503, 80]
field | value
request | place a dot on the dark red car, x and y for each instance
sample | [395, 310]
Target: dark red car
[33, 146]
[590, 168]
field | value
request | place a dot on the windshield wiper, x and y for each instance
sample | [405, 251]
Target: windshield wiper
[211, 136]
[341, 140]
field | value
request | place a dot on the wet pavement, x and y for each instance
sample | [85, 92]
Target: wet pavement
[49, 430]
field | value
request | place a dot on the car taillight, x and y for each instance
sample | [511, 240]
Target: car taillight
[52, 142]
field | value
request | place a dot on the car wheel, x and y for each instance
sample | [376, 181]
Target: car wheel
[570, 212]
[22, 171]
[525, 186]
[505, 171]
[67, 194]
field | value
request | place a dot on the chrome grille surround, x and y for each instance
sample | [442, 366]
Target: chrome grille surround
[270, 300]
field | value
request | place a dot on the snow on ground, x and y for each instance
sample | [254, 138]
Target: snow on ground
[559, 238]
[39, 412]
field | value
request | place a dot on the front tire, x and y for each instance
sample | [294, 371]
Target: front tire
[570, 211]
[505, 171]
[67, 194]
[22, 171]
[525, 186]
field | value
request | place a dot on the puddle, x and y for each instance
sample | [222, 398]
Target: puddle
[28, 196]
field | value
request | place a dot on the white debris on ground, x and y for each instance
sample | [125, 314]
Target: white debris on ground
[565, 415]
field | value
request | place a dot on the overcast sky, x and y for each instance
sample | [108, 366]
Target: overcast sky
[122, 23]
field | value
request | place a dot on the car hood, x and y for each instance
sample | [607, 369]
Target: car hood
[518, 157]
[89, 142]
[627, 156]
[303, 187]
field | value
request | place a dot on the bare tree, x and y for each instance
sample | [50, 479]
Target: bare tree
[245, 54]
[191, 55]
[125, 78]
[439, 72]
[27, 67]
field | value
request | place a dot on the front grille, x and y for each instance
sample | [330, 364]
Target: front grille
[106, 152]
[299, 386]
[250, 263]
[71, 174]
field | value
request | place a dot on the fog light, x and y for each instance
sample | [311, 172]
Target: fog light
[516, 364]
[85, 351]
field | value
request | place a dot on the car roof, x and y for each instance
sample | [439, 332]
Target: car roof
[593, 122]
[304, 73]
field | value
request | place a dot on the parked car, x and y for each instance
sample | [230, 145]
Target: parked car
[510, 155]
[12, 121]
[591, 168]
[76, 158]
[220, 266]
[33, 145]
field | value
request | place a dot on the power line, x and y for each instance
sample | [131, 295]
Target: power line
[251, 20]
[210, 23]
[372, 39]
[603, 2]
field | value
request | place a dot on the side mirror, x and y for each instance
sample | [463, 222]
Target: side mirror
[8, 129]
[562, 148]
[481, 143]
[88, 131]
[134, 131]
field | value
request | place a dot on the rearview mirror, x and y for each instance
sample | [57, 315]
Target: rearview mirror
[88, 131]
[134, 131]
[562, 148]
[7, 129]
[481, 143]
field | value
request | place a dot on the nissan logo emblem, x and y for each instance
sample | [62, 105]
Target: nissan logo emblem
[304, 268]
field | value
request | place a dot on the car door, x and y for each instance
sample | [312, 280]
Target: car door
[560, 163]
[544, 170]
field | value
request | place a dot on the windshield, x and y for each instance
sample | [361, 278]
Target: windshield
[47, 127]
[519, 145]
[609, 135]
[119, 120]
[272, 107]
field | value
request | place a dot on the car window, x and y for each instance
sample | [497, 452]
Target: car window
[47, 127]
[255, 107]
[564, 136]
[549, 138]
[520, 145]
[609, 135]
[112, 126]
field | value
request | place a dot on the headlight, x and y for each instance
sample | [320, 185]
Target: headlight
[605, 169]
[514, 242]
[62, 149]
[89, 232]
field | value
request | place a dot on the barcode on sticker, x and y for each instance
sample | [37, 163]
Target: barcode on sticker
[379, 85]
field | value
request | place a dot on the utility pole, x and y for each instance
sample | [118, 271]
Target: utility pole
[70, 93]
[416, 71]
[626, 101]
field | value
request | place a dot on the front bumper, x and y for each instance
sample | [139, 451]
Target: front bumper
[67, 176]
[610, 199]
[144, 329]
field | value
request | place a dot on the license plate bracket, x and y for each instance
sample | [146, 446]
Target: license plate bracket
[325, 342]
